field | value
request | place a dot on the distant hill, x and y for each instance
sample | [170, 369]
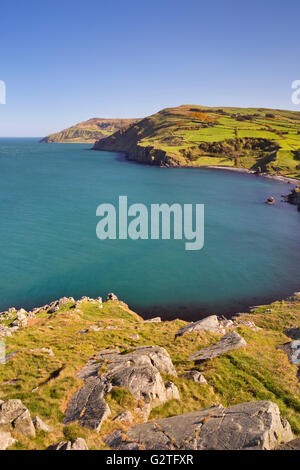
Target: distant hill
[264, 140]
[89, 131]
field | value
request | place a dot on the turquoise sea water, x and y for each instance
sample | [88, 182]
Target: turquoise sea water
[49, 249]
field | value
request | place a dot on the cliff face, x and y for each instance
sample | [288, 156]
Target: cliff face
[195, 136]
[89, 131]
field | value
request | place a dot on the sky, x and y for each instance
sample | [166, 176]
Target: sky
[67, 61]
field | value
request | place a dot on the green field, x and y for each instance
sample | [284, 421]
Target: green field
[264, 140]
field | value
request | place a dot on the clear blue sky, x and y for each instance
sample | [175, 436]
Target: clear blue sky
[66, 61]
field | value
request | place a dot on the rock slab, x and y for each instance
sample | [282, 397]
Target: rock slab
[229, 341]
[247, 426]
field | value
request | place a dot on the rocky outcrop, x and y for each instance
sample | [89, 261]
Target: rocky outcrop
[211, 323]
[112, 296]
[247, 426]
[6, 440]
[195, 376]
[14, 414]
[87, 405]
[294, 196]
[124, 417]
[137, 371]
[78, 444]
[40, 425]
[230, 341]
[292, 445]
[292, 349]
[293, 333]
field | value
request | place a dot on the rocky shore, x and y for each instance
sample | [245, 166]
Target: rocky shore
[89, 374]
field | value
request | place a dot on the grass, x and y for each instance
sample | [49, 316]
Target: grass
[45, 383]
[176, 136]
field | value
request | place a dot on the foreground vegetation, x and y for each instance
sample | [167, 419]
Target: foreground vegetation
[259, 139]
[45, 383]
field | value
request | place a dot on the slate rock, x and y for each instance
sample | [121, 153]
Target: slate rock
[87, 405]
[229, 341]
[293, 333]
[292, 445]
[247, 426]
[210, 323]
[195, 376]
[23, 424]
[6, 440]
[40, 425]
[78, 444]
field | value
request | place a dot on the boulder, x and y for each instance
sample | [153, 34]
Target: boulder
[87, 405]
[137, 371]
[292, 445]
[23, 424]
[11, 410]
[78, 444]
[210, 323]
[247, 426]
[195, 376]
[6, 440]
[230, 341]
[40, 425]
[292, 349]
[153, 320]
[112, 296]
[293, 333]
[145, 384]
[124, 417]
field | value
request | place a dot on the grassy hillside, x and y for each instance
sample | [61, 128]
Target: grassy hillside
[89, 131]
[45, 383]
[264, 140]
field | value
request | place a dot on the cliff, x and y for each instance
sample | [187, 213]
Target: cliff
[259, 139]
[89, 131]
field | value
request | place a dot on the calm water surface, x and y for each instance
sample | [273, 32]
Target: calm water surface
[48, 200]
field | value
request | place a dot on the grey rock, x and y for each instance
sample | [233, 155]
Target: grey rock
[112, 296]
[78, 444]
[247, 426]
[210, 323]
[40, 425]
[6, 440]
[124, 417]
[292, 445]
[153, 320]
[230, 341]
[293, 333]
[10, 410]
[292, 349]
[144, 382]
[195, 376]
[137, 371]
[23, 424]
[87, 405]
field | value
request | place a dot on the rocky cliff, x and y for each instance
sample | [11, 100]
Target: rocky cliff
[89, 131]
[191, 135]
